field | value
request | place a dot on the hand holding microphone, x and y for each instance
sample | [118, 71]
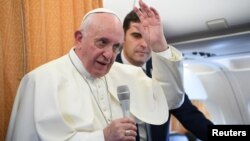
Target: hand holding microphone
[123, 128]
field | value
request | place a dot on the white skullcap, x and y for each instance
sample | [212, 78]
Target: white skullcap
[98, 10]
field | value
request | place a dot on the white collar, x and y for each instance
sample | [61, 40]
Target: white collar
[79, 65]
[125, 61]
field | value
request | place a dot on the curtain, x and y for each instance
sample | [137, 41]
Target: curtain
[33, 32]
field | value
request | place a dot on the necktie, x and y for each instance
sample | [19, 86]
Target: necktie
[143, 131]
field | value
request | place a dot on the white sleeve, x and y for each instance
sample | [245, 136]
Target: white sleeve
[171, 54]
[168, 71]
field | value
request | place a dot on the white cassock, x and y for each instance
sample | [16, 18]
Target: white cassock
[60, 101]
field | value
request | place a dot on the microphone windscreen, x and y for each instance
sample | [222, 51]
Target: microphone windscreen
[123, 92]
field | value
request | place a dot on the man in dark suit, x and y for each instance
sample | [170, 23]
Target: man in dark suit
[136, 52]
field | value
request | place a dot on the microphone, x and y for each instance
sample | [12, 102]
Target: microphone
[124, 96]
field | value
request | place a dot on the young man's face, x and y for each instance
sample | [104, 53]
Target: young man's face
[135, 48]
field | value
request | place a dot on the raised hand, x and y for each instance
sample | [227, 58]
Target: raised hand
[151, 27]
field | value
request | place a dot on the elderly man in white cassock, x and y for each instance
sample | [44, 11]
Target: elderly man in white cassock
[74, 97]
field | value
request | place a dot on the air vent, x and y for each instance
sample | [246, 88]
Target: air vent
[217, 24]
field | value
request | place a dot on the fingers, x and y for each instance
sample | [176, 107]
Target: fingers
[127, 120]
[156, 14]
[144, 7]
[121, 129]
[128, 124]
[130, 127]
[130, 135]
[146, 11]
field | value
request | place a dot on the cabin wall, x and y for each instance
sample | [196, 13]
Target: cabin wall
[226, 82]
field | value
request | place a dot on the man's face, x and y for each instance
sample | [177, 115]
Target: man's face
[97, 48]
[135, 48]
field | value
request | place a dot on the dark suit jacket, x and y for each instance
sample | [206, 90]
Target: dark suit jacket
[188, 114]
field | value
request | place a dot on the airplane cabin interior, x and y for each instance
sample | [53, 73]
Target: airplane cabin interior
[214, 37]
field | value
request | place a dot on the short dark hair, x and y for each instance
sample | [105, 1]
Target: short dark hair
[130, 17]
